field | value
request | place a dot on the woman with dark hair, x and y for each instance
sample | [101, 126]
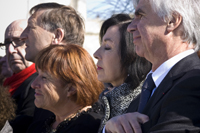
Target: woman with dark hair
[119, 65]
[66, 85]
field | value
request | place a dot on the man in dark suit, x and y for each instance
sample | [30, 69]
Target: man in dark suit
[168, 37]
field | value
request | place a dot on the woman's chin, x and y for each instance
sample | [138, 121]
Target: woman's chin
[37, 103]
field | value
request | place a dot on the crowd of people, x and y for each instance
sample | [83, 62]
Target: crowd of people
[145, 79]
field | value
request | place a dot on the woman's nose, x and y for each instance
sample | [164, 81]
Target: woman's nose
[96, 54]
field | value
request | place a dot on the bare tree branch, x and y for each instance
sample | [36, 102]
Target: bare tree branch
[109, 7]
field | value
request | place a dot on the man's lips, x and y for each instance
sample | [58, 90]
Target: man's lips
[136, 37]
[13, 61]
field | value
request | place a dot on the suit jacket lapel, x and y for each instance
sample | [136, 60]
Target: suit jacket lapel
[133, 107]
[160, 92]
[176, 72]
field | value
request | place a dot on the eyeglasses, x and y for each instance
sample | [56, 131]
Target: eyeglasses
[2, 46]
[16, 42]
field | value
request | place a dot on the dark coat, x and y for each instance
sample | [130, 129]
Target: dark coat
[24, 98]
[85, 122]
[175, 105]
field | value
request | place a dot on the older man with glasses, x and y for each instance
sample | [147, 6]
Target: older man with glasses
[23, 74]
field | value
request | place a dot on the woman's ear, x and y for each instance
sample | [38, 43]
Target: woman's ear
[58, 36]
[71, 90]
[174, 23]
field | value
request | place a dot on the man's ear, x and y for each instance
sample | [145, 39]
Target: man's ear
[174, 23]
[58, 36]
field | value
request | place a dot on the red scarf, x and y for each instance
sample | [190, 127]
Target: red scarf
[17, 79]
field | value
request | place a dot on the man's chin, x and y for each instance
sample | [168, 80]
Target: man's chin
[139, 53]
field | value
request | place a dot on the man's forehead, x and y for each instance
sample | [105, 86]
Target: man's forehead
[135, 3]
[36, 14]
[13, 32]
[32, 18]
[15, 28]
[142, 5]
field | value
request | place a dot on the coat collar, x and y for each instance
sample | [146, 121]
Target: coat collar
[183, 66]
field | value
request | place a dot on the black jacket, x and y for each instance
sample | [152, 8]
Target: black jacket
[24, 98]
[175, 105]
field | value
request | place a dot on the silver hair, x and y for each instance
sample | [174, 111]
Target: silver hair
[190, 12]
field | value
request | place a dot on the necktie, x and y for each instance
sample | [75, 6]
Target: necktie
[147, 88]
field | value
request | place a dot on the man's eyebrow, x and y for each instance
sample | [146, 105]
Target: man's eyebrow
[138, 11]
[29, 23]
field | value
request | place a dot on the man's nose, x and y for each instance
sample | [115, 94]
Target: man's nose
[132, 26]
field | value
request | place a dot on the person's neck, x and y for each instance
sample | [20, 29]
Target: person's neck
[67, 113]
[171, 53]
[118, 82]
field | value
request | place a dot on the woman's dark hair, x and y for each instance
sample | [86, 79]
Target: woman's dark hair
[135, 67]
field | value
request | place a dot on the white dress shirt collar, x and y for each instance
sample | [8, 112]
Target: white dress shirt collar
[159, 74]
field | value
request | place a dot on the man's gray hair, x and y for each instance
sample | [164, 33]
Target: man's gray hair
[190, 12]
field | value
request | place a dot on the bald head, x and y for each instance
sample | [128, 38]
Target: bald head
[15, 28]
[15, 47]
